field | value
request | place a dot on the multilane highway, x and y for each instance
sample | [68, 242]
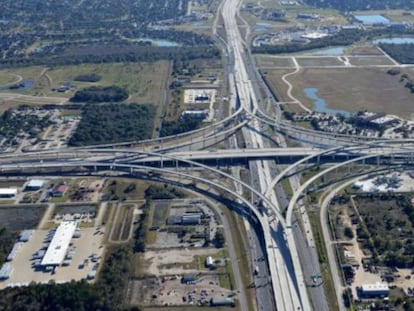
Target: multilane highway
[288, 288]
[286, 272]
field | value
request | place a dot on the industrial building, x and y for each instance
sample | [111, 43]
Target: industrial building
[8, 192]
[189, 279]
[34, 185]
[14, 251]
[56, 252]
[191, 219]
[5, 271]
[25, 235]
[377, 290]
[186, 219]
[209, 262]
[194, 114]
[222, 302]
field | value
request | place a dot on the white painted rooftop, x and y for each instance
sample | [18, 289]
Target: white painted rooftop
[8, 191]
[375, 287]
[58, 247]
[35, 183]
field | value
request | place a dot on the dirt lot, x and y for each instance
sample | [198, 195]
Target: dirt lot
[170, 291]
[177, 261]
[351, 89]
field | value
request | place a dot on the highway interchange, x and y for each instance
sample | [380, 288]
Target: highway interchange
[285, 253]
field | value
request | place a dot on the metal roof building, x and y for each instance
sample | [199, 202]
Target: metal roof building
[14, 251]
[375, 290]
[25, 235]
[34, 184]
[8, 192]
[56, 252]
[5, 271]
[222, 302]
[191, 219]
[209, 261]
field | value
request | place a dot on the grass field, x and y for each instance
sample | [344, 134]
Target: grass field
[365, 61]
[274, 79]
[8, 78]
[269, 61]
[319, 61]
[353, 89]
[363, 49]
[123, 222]
[145, 82]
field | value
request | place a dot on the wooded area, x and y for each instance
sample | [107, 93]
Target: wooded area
[402, 53]
[108, 123]
[180, 126]
[100, 94]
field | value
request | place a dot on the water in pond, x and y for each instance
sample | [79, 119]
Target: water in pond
[320, 104]
[163, 43]
[336, 51]
[156, 42]
[21, 86]
[400, 40]
[372, 19]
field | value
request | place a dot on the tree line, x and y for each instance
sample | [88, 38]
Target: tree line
[100, 94]
[109, 53]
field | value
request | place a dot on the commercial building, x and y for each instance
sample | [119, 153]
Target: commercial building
[34, 185]
[374, 290]
[58, 247]
[8, 192]
[59, 190]
[194, 114]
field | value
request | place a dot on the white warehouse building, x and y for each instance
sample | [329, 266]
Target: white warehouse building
[56, 252]
[374, 290]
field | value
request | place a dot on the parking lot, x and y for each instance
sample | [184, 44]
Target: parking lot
[82, 263]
